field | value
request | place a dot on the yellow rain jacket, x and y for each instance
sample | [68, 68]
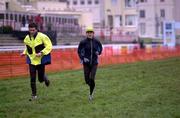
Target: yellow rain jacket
[39, 43]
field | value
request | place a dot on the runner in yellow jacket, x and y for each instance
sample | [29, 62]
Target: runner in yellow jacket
[38, 48]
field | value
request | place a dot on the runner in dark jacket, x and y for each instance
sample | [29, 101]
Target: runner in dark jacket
[88, 51]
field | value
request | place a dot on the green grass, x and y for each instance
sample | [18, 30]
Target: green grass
[139, 90]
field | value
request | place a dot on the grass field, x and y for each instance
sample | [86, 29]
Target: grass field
[139, 90]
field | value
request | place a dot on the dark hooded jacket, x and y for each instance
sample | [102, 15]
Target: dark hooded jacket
[90, 49]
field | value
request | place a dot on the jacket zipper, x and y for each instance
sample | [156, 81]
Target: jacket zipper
[91, 51]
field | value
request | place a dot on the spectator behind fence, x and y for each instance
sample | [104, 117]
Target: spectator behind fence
[38, 48]
[23, 21]
[39, 22]
[88, 51]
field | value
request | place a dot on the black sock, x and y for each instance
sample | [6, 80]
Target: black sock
[92, 85]
[33, 88]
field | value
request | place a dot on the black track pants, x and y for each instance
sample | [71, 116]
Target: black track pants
[89, 75]
[40, 69]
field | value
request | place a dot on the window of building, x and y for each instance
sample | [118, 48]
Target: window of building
[7, 16]
[63, 20]
[82, 2]
[46, 19]
[53, 19]
[121, 22]
[15, 17]
[142, 14]
[143, 0]
[130, 3]
[117, 21]
[75, 2]
[20, 17]
[68, 3]
[56, 19]
[27, 17]
[7, 5]
[71, 21]
[162, 12]
[142, 28]
[49, 19]
[114, 2]
[161, 27]
[60, 21]
[96, 2]
[110, 21]
[89, 2]
[76, 22]
[62, 0]
[1, 16]
[130, 20]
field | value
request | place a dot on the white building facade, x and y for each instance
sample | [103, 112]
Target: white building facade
[112, 14]
[2, 5]
[141, 17]
[92, 6]
[121, 14]
[152, 13]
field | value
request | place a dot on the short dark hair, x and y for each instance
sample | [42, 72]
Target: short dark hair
[32, 25]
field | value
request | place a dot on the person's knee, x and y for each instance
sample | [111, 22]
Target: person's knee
[33, 80]
[33, 83]
[41, 79]
[87, 81]
[91, 82]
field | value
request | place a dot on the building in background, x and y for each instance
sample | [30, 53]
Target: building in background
[2, 5]
[177, 19]
[54, 13]
[152, 13]
[121, 15]
[143, 18]
[176, 10]
[116, 15]
[49, 5]
[92, 6]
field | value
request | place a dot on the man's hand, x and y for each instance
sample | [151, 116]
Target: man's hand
[39, 54]
[81, 61]
[86, 60]
[22, 54]
[97, 53]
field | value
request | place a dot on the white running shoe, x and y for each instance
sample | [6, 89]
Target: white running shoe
[90, 97]
[33, 98]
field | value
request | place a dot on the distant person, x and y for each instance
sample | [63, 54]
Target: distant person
[23, 21]
[88, 51]
[38, 48]
[134, 41]
[30, 20]
[39, 22]
[141, 43]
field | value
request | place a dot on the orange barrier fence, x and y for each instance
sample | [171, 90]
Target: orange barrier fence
[12, 65]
